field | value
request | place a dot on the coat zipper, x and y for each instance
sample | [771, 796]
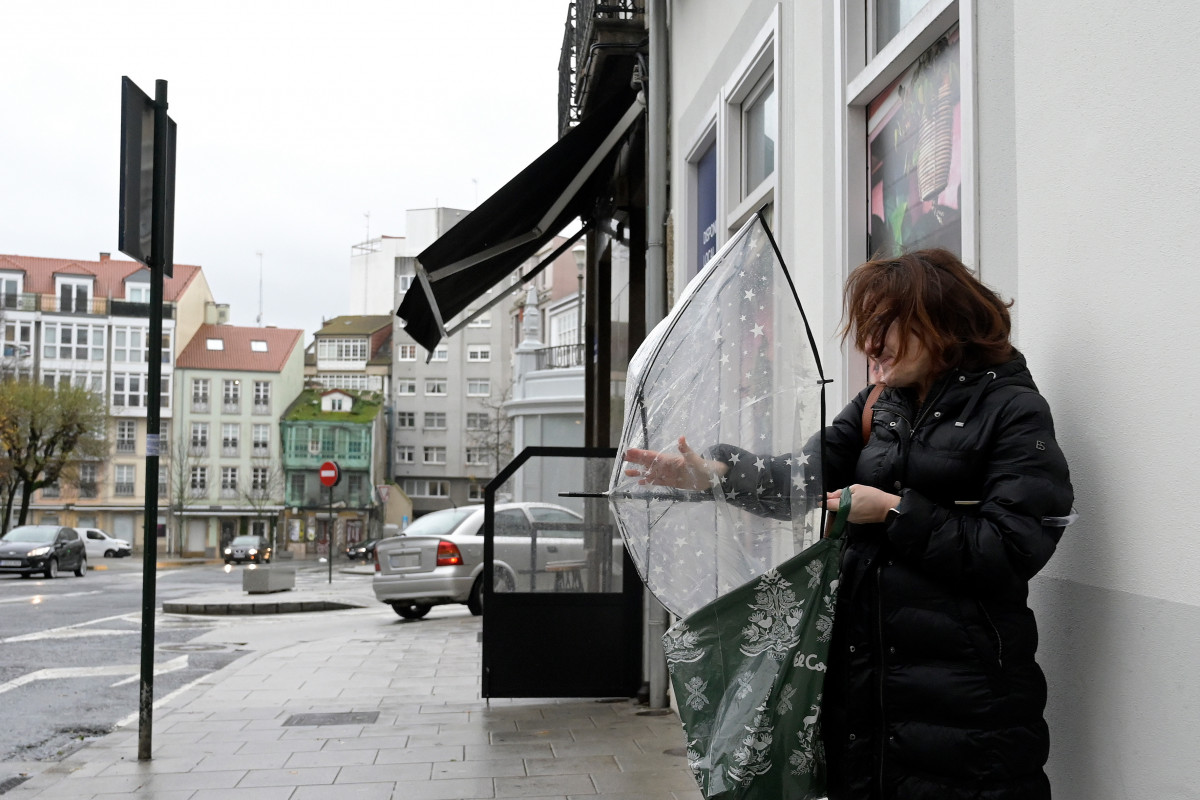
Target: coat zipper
[883, 740]
[996, 631]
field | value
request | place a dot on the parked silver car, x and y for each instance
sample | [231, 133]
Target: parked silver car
[439, 558]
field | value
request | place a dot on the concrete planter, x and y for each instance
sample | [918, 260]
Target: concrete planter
[265, 580]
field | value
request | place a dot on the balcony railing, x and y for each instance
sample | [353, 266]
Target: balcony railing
[229, 449]
[87, 490]
[197, 492]
[123, 490]
[231, 407]
[200, 450]
[600, 28]
[22, 301]
[126, 445]
[561, 357]
[199, 406]
[261, 408]
[229, 492]
[124, 308]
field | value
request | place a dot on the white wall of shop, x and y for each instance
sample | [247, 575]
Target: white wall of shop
[1085, 201]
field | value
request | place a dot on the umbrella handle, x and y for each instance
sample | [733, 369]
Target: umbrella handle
[843, 513]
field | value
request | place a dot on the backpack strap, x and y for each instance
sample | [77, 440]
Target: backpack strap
[868, 409]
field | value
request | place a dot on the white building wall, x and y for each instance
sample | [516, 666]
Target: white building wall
[1083, 194]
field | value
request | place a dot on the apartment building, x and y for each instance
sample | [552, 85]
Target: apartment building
[86, 323]
[225, 473]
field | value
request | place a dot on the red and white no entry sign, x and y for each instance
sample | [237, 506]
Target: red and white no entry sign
[330, 474]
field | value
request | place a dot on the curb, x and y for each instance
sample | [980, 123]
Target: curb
[243, 609]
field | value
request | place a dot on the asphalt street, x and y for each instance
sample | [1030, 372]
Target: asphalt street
[69, 651]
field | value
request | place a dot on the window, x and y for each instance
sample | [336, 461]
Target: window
[354, 382]
[214, 344]
[406, 352]
[52, 490]
[435, 455]
[230, 433]
[200, 394]
[137, 293]
[406, 454]
[442, 353]
[406, 420]
[296, 483]
[18, 341]
[479, 387]
[479, 352]
[10, 291]
[435, 420]
[126, 436]
[482, 321]
[335, 403]
[72, 342]
[129, 345]
[87, 480]
[760, 131]
[261, 438]
[129, 390]
[419, 488]
[199, 438]
[165, 347]
[262, 397]
[92, 381]
[435, 386]
[229, 481]
[162, 482]
[406, 386]
[477, 421]
[258, 346]
[124, 480]
[164, 391]
[475, 493]
[231, 395]
[74, 296]
[354, 488]
[342, 349]
[258, 479]
[477, 456]
[405, 282]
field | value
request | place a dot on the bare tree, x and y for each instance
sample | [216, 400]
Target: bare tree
[495, 437]
[265, 490]
[179, 458]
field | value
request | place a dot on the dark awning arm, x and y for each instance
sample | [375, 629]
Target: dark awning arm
[581, 177]
[545, 262]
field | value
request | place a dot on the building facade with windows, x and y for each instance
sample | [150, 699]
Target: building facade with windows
[450, 427]
[870, 127]
[224, 474]
[349, 429]
[351, 352]
[87, 323]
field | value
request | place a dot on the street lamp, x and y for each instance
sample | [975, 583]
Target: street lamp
[580, 253]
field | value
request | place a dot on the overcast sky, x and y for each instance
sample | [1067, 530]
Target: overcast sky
[295, 120]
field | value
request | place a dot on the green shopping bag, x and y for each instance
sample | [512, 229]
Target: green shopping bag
[748, 671]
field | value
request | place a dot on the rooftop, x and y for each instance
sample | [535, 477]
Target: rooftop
[109, 274]
[307, 408]
[236, 348]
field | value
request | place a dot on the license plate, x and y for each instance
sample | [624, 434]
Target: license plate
[9, 563]
[406, 561]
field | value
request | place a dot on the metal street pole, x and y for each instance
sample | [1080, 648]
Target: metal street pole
[329, 536]
[157, 266]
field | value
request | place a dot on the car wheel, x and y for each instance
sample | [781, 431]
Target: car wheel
[475, 599]
[109, 553]
[81, 570]
[502, 580]
[51, 569]
[411, 610]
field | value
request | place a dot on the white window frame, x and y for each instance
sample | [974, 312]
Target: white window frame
[201, 391]
[406, 387]
[406, 352]
[262, 394]
[479, 353]
[441, 353]
[122, 390]
[859, 79]
[406, 454]
[433, 416]
[478, 456]
[478, 414]
[479, 387]
[406, 416]
[75, 283]
[436, 387]
[762, 59]
[482, 321]
[475, 493]
[433, 454]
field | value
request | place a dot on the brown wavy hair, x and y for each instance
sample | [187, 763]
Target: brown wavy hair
[931, 293]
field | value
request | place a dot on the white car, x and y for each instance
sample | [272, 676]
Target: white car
[100, 544]
[439, 558]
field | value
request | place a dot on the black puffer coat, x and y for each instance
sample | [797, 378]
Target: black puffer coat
[932, 691]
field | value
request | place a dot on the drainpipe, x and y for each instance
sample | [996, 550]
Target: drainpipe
[656, 277]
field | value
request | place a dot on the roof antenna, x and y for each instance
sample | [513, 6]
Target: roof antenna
[258, 320]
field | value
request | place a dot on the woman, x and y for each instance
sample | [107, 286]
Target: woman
[932, 690]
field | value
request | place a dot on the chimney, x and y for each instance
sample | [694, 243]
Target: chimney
[104, 257]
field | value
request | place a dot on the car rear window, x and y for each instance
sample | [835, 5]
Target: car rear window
[439, 523]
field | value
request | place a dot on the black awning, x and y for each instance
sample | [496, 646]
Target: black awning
[511, 225]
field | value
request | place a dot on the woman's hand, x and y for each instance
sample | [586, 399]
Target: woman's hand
[684, 471]
[867, 504]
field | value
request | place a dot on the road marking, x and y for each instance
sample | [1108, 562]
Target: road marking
[40, 598]
[162, 701]
[173, 665]
[59, 673]
[52, 633]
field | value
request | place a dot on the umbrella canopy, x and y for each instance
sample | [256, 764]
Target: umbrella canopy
[735, 362]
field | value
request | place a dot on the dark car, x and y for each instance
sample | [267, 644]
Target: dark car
[248, 548]
[361, 551]
[29, 549]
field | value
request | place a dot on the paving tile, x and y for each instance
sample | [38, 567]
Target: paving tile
[279, 746]
[500, 768]
[452, 789]
[410, 755]
[494, 751]
[252, 793]
[367, 743]
[378, 773]
[191, 780]
[337, 758]
[299, 776]
[245, 761]
[157, 764]
[77, 788]
[351, 791]
[538, 785]
[666, 780]
[581, 765]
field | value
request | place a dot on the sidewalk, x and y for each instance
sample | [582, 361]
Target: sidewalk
[361, 704]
